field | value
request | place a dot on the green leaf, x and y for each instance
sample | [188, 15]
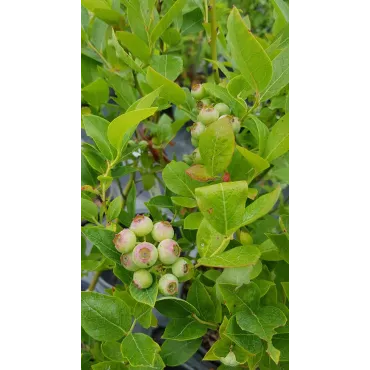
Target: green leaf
[260, 207]
[177, 181]
[249, 56]
[282, 243]
[278, 140]
[221, 349]
[199, 172]
[236, 257]
[223, 204]
[238, 298]
[285, 286]
[238, 87]
[134, 44]
[95, 4]
[258, 163]
[192, 22]
[240, 275]
[192, 221]
[103, 240]
[146, 101]
[281, 342]
[97, 127]
[124, 275]
[198, 296]
[282, 9]
[184, 329]
[123, 123]
[261, 322]
[147, 296]
[114, 208]
[131, 201]
[94, 158]
[139, 349]
[161, 201]
[108, 365]
[259, 130]
[158, 365]
[216, 146]
[89, 210]
[250, 342]
[112, 350]
[210, 241]
[103, 317]
[96, 93]
[175, 353]
[166, 20]
[264, 286]
[170, 66]
[184, 202]
[175, 307]
[171, 91]
[269, 251]
[280, 75]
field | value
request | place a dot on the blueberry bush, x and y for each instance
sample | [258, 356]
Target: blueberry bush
[210, 250]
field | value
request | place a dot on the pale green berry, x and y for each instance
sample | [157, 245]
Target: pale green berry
[230, 360]
[142, 279]
[143, 144]
[128, 263]
[125, 241]
[208, 115]
[187, 159]
[235, 124]
[162, 230]
[168, 251]
[183, 269]
[197, 159]
[198, 91]
[141, 225]
[195, 142]
[222, 108]
[168, 284]
[145, 255]
[245, 238]
[197, 129]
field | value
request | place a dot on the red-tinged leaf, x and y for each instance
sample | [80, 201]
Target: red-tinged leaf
[199, 172]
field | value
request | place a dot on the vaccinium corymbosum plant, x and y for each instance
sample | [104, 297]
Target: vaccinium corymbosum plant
[210, 250]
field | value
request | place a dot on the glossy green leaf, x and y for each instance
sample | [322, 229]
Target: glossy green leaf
[178, 181]
[103, 317]
[94, 158]
[260, 207]
[259, 130]
[123, 123]
[171, 91]
[282, 9]
[216, 146]
[184, 202]
[250, 57]
[97, 128]
[108, 365]
[264, 286]
[250, 342]
[236, 257]
[223, 346]
[278, 140]
[124, 275]
[223, 205]
[238, 87]
[134, 44]
[114, 208]
[146, 101]
[96, 93]
[89, 210]
[103, 240]
[170, 66]
[282, 243]
[209, 241]
[193, 221]
[184, 329]
[157, 365]
[240, 275]
[257, 163]
[175, 307]
[166, 20]
[176, 353]
[147, 296]
[269, 251]
[280, 75]
[139, 349]
[198, 296]
[112, 350]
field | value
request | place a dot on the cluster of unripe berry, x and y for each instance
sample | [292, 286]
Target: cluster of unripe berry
[208, 114]
[142, 256]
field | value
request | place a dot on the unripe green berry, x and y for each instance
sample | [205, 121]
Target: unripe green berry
[245, 238]
[235, 124]
[230, 360]
[168, 251]
[183, 269]
[168, 284]
[143, 144]
[197, 159]
[125, 241]
[162, 230]
[142, 279]
[145, 255]
[128, 263]
[141, 225]
[198, 91]
[131, 143]
[187, 159]
[222, 108]
[195, 142]
[197, 129]
[208, 115]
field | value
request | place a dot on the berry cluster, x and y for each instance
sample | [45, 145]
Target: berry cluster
[208, 113]
[142, 256]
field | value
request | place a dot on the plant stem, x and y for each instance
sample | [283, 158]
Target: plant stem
[214, 41]
[137, 84]
[91, 46]
[132, 328]
[94, 281]
[210, 324]
[205, 11]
